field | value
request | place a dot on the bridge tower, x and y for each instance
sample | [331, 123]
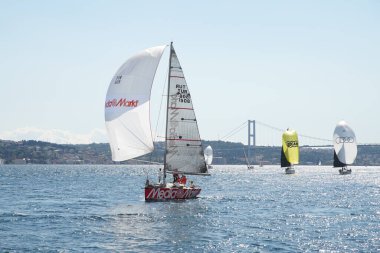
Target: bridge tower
[251, 138]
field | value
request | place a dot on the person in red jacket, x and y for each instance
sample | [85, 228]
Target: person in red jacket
[183, 180]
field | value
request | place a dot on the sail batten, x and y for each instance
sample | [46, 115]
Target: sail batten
[179, 108]
[182, 139]
[184, 151]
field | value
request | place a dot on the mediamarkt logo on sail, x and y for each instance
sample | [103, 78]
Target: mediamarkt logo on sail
[121, 102]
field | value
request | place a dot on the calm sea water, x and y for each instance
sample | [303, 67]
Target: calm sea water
[101, 208]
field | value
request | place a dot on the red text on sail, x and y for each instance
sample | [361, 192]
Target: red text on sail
[122, 102]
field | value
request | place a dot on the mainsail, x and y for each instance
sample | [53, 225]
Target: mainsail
[290, 148]
[127, 105]
[184, 152]
[345, 147]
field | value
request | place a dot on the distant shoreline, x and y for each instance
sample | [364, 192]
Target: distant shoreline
[225, 153]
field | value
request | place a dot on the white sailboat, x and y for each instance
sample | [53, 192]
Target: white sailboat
[249, 166]
[127, 116]
[345, 147]
[208, 156]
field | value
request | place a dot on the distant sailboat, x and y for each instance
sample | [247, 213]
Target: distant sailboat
[208, 156]
[127, 115]
[345, 147]
[249, 166]
[289, 151]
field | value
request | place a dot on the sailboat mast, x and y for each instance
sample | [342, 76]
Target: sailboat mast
[167, 111]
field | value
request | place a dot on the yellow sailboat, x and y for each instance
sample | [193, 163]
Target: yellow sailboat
[290, 151]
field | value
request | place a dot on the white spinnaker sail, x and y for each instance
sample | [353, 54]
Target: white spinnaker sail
[208, 155]
[127, 105]
[184, 150]
[345, 143]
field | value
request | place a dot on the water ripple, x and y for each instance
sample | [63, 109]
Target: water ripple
[101, 208]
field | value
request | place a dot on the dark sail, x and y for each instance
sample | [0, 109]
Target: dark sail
[284, 161]
[338, 163]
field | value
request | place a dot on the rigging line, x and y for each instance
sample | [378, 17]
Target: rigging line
[162, 99]
[224, 137]
[141, 141]
[159, 113]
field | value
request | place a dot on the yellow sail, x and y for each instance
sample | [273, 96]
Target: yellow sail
[290, 146]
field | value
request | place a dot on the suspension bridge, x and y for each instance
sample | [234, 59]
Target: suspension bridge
[263, 134]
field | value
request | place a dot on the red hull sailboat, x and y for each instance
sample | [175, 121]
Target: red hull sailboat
[164, 193]
[127, 115]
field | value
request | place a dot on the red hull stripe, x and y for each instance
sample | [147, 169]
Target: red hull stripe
[180, 108]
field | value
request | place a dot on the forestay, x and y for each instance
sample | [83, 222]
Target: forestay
[127, 105]
[345, 146]
[184, 151]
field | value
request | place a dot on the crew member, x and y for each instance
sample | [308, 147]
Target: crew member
[159, 176]
[183, 179]
[175, 177]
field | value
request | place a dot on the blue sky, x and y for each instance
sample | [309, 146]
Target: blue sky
[299, 64]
